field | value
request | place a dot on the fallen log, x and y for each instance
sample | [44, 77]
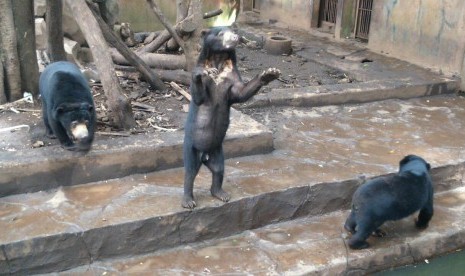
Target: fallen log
[179, 76]
[183, 27]
[129, 55]
[161, 61]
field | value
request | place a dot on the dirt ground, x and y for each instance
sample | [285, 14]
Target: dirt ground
[155, 111]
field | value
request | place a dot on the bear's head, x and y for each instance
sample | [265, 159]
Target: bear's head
[78, 120]
[220, 39]
[414, 164]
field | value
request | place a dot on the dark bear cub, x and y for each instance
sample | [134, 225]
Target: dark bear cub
[67, 106]
[391, 198]
[215, 86]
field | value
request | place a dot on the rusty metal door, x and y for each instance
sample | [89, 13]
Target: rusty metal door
[363, 19]
[328, 12]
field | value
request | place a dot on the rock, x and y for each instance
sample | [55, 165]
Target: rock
[38, 144]
[72, 49]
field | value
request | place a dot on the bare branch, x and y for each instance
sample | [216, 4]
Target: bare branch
[165, 22]
[128, 54]
[213, 13]
[181, 91]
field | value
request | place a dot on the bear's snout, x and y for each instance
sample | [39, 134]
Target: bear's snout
[230, 39]
[79, 131]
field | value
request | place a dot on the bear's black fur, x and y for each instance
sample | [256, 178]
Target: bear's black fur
[391, 198]
[216, 85]
[67, 106]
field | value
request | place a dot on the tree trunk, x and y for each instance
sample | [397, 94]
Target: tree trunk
[23, 14]
[129, 55]
[154, 6]
[12, 78]
[54, 20]
[191, 46]
[119, 105]
[182, 8]
[161, 61]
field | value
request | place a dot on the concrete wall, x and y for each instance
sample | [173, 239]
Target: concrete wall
[294, 13]
[430, 33]
[345, 19]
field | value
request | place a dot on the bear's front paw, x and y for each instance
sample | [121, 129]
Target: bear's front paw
[212, 72]
[197, 76]
[269, 75]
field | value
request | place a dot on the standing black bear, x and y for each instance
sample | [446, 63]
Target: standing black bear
[67, 105]
[216, 85]
[391, 198]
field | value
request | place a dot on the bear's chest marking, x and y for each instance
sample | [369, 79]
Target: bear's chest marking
[224, 70]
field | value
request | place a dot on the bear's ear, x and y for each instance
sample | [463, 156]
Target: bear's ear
[60, 110]
[428, 166]
[86, 107]
[404, 160]
[204, 32]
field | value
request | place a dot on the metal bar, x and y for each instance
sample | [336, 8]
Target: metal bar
[329, 11]
[364, 18]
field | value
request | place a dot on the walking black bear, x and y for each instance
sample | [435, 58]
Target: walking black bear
[67, 105]
[216, 85]
[391, 198]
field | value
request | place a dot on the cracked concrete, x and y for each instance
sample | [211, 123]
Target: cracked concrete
[321, 155]
[311, 245]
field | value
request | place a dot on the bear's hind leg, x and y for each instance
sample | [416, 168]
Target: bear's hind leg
[424, 217]
[350, 223]
[215, 163]
[379, 233]
[191, 168]
[364, 229]
[426, 213]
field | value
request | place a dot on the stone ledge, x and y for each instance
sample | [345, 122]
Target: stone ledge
[352, 93]
[54, 166]
[138, 232]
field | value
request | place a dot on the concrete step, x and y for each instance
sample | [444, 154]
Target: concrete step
[306, 246]
[321, 155]
[351, 93]
[112, 158]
